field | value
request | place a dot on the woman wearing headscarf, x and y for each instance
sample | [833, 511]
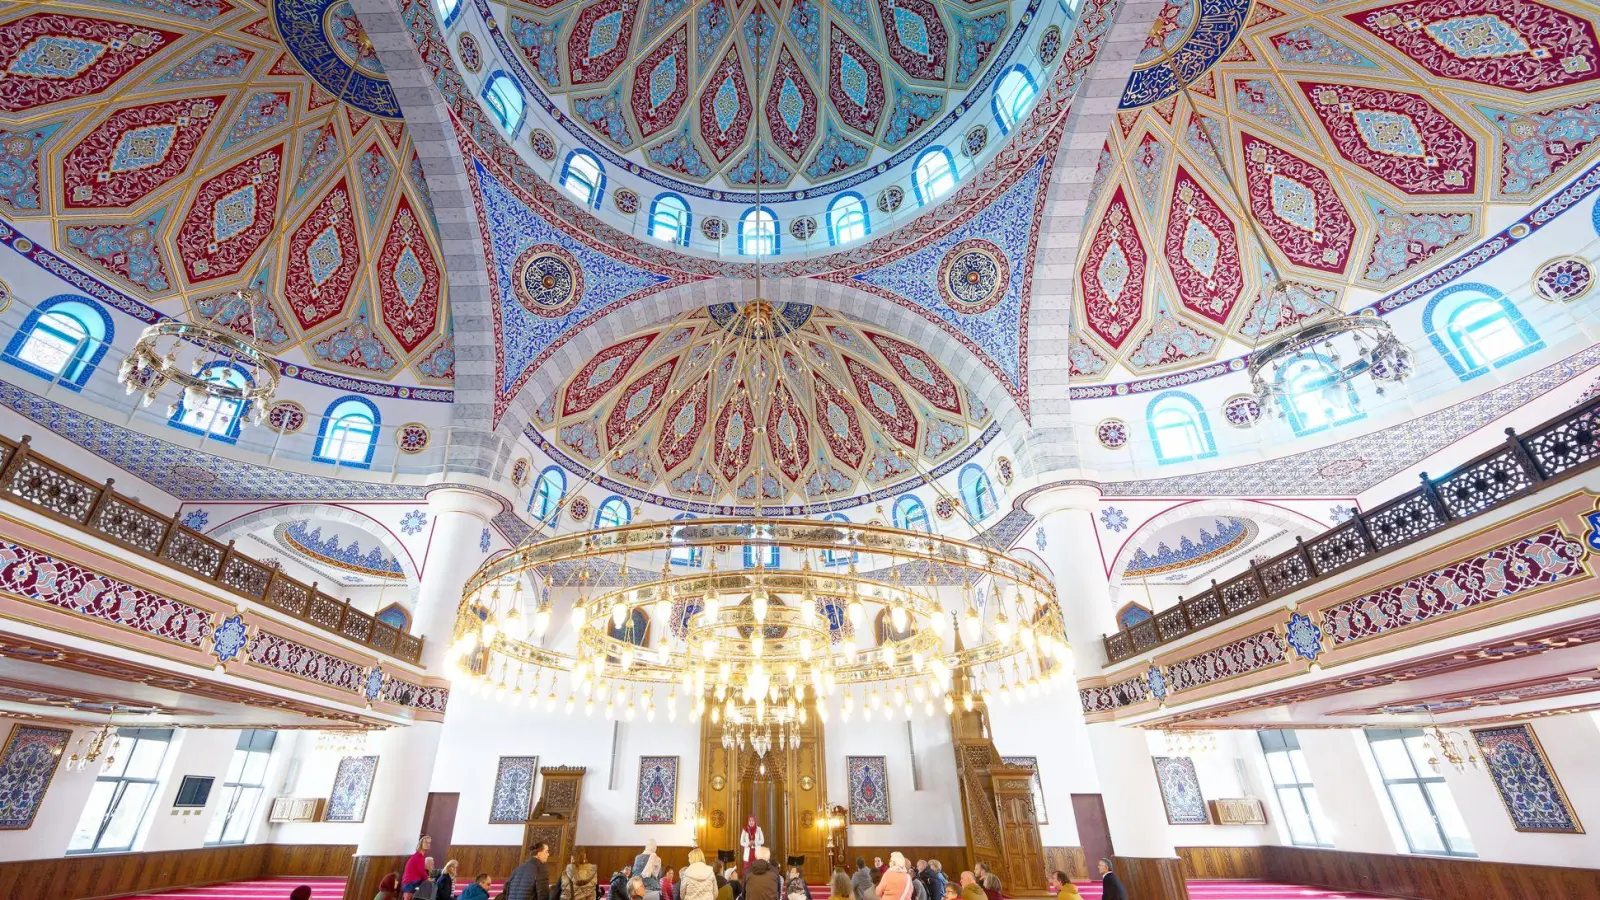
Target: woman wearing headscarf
[896, 881]
[388, 888]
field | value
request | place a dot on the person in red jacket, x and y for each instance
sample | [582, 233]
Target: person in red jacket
[416, 869]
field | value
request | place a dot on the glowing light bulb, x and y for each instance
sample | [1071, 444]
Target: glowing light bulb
[514, 626]
[897, 618]
[588, 707]
[490, 630]
[758, 605]
[579, 615]
[570, 704]
[856, 612]
[663, 609]
[970, 625]
[619, 611]
[887, 654]
[949, 705]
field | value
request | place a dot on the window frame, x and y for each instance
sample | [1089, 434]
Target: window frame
[925, 194]
[1448, 304]
[129, 739]
[837, 219]
[238, 409]
[1421, 781]
[1285, 743]
[905, 521]
[329, 420]
[1197, 420]
[774, 556]
[448, 16]
[547, 516]
[684, 224]
[251, 741]
[91, 349]
[610, 503]
[496, 100]
[1009, 116]
[758, 212]
[596, 182]
[974, 502]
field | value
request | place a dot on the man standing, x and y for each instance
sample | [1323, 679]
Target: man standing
[763, 881]
[861, 881]
[1110, 884]
[750, 840]
[531, 880]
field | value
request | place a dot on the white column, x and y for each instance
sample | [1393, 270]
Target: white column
[1072, 549]
[406, 755]
[1134, 811]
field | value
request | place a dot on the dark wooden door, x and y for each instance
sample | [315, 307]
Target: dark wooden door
[1094, 835]
[439, 822]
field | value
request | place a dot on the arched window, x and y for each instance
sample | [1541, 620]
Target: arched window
[835, 557]
[448, 10]
[584, 178]
[767, 553]
[396, 615]
[216, 416]
[62, 340]
[547, 493]
[505, 101]
[976, 492]
[681, 555]
[669, 219]
[1013, 97]
[758, 232]
[847, 219]
[1313, 397]
[348, 434]
[934, 175]
[1178, 428]
[1481, 329]
[613, 513]
[911, 515]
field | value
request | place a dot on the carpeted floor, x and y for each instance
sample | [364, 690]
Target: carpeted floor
[333, 889]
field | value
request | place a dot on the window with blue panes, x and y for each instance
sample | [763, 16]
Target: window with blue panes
[584, 177]
[216, 417]
[448, 10]
[911, 515]
[766, 553]
[835, 557]
[976, 492]
[63, 339]
[681, 555]
[758, 232]
[1476, 328]
[613, 513]
[348, 435]
[1013, 97]
[1179, 429]
[548, 490]
[847, 219]
[669, 219]
[934, 175]
[1314, 396]
[505, 101]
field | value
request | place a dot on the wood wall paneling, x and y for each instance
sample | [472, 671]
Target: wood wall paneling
[1428, 877]
[367, 872]
[308, 860]
[1094, 832]
[117, 874]
[1147, 878]
[1221, 862]
[1071, 860]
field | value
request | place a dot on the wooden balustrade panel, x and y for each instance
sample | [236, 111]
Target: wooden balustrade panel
[309, 860]
[1221, 862]
[1071, 860]
[1427, 877]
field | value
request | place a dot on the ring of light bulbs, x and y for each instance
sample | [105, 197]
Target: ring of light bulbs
[766, 646]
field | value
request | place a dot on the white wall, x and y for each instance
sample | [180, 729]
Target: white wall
[930, 817]
[1343, 771]
[204, 752]
[310, 774]
[1054, 732]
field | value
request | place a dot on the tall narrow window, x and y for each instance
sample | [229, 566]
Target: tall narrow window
[1476, 328]
[837, 557]
[547, 494]
[911, 515]
[758, 232]
[1316, 398]
[1418, 796]
[349, 433]
[976, 493]
[613, 513]
[62, 340]
[682, 554]
[1291, 780]
[765, 554]
[242, 788]
[1013, 97]
[505, 101]
[1179, 428]
[583, 177]
[214, 415]
[847, 219]
[934, 175]
[122, 793]
[448, 10]
[669, 219]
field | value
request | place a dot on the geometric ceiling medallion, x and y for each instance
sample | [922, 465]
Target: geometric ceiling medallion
[599, 40]
[548, 281]
[48, 58]
[661, 84]
[1202, 251]
[1401, 138]
[791, 108]
[725, 107]
[135, 151]
[1297, 206]
[916, 37]
[973, 276]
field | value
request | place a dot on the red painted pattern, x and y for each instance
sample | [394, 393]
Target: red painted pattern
[207, 255]
[89, 176]
[41, 70]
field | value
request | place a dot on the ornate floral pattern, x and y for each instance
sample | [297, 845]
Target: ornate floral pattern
[1248, 654]
[512, 801]
[1303, 636]
[1527, 783]
[41, 578]
[657, 800]
[1112, 433]
[868, 777]
[1180, 791]
[28, 763]
[1564, 279]
[352, 785]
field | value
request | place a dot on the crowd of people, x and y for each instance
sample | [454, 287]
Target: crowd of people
[648, 879]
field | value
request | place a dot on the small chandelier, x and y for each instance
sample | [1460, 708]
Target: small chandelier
[91, 746]
[1450, 745]
[157, 359]
[1344, 346]
[1190, 743]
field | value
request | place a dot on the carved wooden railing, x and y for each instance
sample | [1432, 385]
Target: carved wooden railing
[64, 495]
[1560, 448]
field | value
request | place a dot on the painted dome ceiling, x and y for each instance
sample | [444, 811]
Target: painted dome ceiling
[178, 151]
[1372, 142]
[811, 406]
[841, 85]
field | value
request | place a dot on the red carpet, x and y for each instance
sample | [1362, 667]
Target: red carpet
[333, 889]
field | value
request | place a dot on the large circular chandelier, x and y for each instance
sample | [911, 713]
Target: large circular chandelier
[188, 353]
[759, 649]
[1342, 347]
